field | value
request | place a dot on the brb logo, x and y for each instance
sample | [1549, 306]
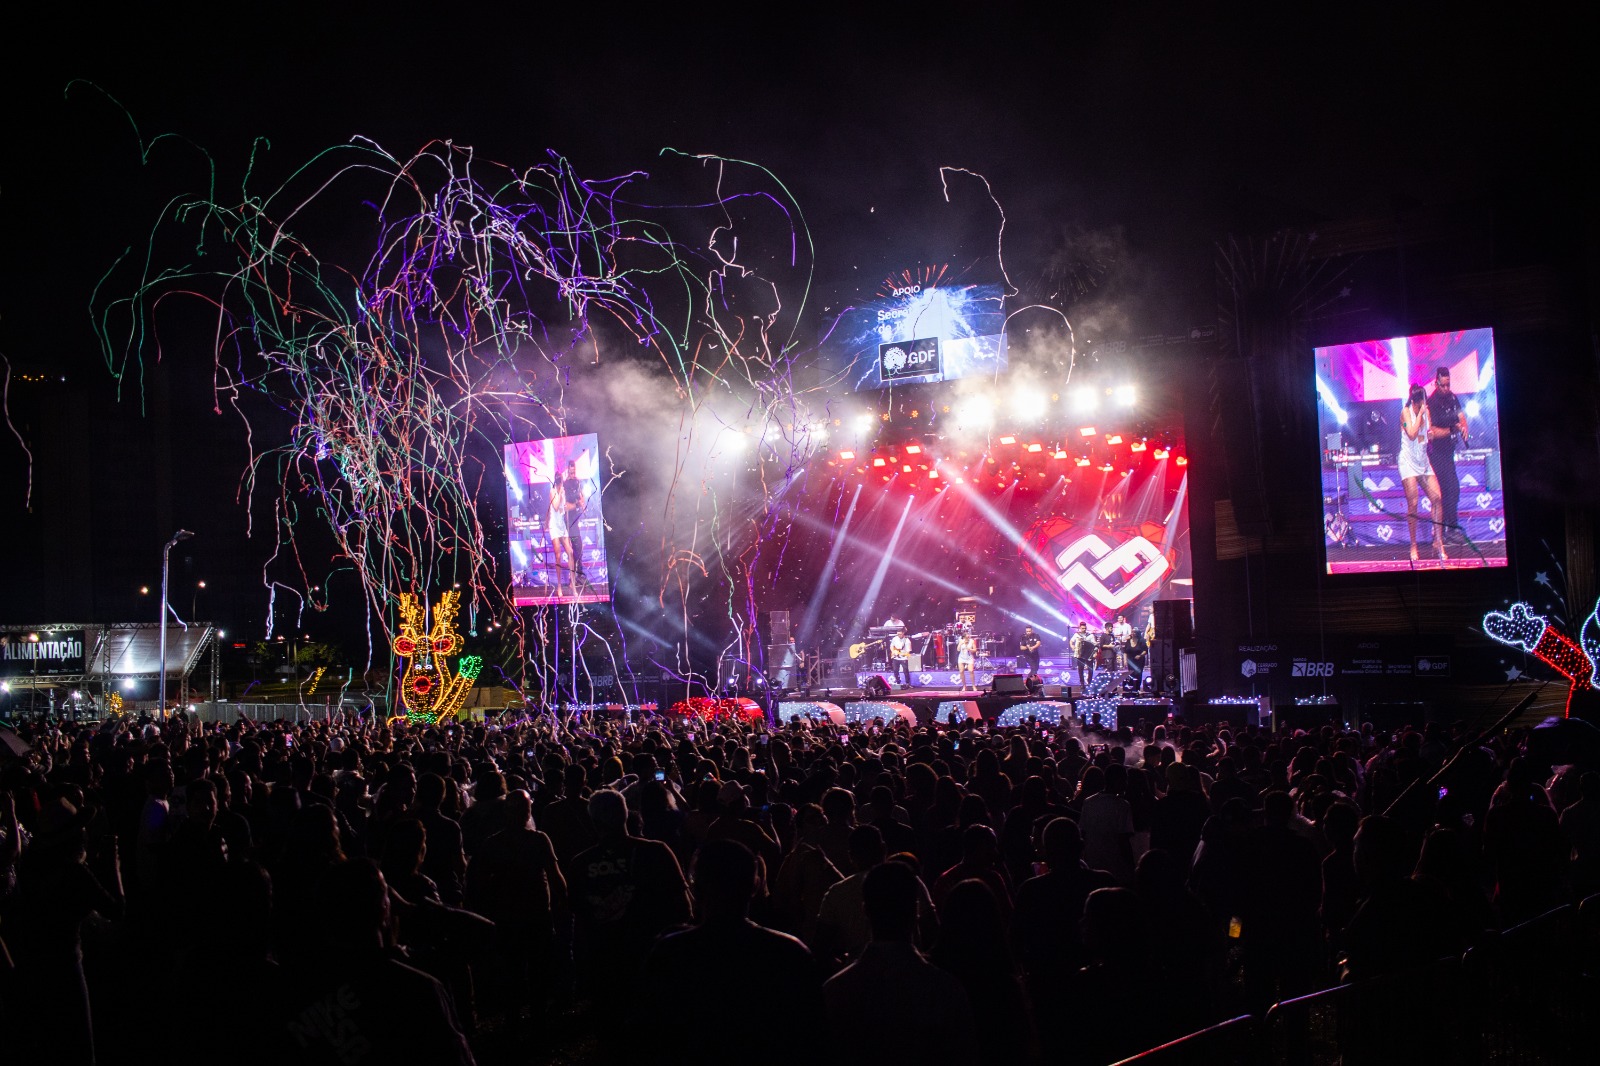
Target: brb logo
[904, 359]
[1109, 567]
[1307, 668]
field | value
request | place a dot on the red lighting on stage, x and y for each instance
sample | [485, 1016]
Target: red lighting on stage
[1160, 453]
[1060, 455]
[913, 449]
[879, 462]
[1106, 468]
[886, 477]
[906, 468]
[1182, 460]
[1008, 440]
[961, 481]
[1114, 438]
[1087, 431]
[1138, 446]
[1083, 460]
[847, 455]
[1036, 447]
[933, 473]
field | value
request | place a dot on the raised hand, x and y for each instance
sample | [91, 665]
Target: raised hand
[1519, 628]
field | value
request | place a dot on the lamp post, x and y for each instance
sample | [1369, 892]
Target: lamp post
[182, 534]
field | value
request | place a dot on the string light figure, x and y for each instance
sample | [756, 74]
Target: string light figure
[1521, 628]
[427, 691]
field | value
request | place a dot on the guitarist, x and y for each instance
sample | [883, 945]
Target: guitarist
[900, 658]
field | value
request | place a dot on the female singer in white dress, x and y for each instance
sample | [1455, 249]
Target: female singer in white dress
[1415, 468]
[560, 538]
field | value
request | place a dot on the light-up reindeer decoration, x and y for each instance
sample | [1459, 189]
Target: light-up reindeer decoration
[427, 691]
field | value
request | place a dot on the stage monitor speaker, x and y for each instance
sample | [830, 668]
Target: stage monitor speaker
[877, 687]
[1009, 685]
[1052, 692]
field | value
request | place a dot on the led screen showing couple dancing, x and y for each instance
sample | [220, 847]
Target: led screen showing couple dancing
[558, 551]
[1410, 436]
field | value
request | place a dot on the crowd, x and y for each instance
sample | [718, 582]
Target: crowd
[356, 891]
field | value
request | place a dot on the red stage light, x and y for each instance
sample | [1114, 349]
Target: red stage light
[961, 481]
[1182, 460]
[1106, 467]
[1160, 453]
[886, 477]
[1083, 460]
[878, 461]
[913, 449]
[847, 455]
[1036, 447]
[1138, 446]
[1060, 455]
[906, 468]
[1087, 431]
[1008, 440]
[933, 473]
[1114, 438]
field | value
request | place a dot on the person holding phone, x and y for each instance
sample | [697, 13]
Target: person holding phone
[1416, 468]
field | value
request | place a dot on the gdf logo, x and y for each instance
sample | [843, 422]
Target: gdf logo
[1305, 668]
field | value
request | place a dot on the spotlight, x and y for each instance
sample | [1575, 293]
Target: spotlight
[933, 473]
[1060, 455]
[1473, 409]
[976, 413]
[1036, 447]
[1083, 460]
[906, 468]
[1138, 446]
[847, 455]
[1029, 404]
[961, 481]
[1125, 395]
[1084, 400]
[865, 422]
[1160, 453]
[1087, 431]
[1106, 467]
[913, 449]
[1182, 460]
[1008, 440]
[1114, 438]
[879, 461]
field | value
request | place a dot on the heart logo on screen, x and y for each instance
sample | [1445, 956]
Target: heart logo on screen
[1484, 500]
[924, 679]
[1385, 532]
[1109, 567]
[1140, 563]
[1374, 507]
[1497, 524]
[1469, 480]
[1426, 505]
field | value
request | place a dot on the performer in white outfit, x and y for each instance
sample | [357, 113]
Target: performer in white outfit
[1415, 469]
[967, 659]
[560, 537]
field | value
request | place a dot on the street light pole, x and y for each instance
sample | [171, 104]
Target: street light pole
[182, 534]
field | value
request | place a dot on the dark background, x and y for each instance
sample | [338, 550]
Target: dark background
[1418, 171]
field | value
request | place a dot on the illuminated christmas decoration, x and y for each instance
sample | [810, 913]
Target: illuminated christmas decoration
[114, 704]
[315, 677]
[428, 693]
[1521, 628]
[705, 708]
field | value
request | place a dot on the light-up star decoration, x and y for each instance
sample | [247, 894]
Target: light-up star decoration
[1521, 628]
[428, 693]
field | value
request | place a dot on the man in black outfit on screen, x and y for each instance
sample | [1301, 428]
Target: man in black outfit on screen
[1448, 422]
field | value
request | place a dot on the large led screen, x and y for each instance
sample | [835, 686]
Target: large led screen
[558, 551]
[916, 334]
[1410, 442]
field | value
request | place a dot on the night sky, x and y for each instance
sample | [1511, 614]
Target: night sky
[1126, 139]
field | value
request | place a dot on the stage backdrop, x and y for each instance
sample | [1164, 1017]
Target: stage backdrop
[552, 500]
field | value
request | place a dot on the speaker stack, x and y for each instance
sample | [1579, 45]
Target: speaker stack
[1174, 632]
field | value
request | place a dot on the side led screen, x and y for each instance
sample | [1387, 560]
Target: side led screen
[558, 551]
[1410, 441]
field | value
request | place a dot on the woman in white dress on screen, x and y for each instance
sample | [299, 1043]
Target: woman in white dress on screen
[560, 537]
[1415, 469]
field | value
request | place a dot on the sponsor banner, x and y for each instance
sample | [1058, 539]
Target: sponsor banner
[1293, 663]
[56, 653]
